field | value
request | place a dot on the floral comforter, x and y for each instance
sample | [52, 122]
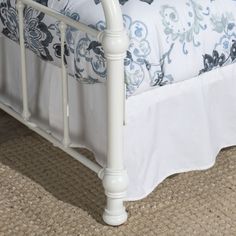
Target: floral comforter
[171, 40]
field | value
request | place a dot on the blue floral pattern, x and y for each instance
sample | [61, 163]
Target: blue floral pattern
[177, 34]
[37, 35]
[122, 2]
[193, 25]
[224, 52]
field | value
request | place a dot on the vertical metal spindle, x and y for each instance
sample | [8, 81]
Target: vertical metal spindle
[66, 140]
[25, 113]
[124, 112]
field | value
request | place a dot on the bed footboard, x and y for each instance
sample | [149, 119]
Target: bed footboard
[115, 43]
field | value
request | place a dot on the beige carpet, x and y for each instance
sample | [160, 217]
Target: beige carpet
[45, 192]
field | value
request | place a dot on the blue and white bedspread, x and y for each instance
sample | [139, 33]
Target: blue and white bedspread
[171, 40]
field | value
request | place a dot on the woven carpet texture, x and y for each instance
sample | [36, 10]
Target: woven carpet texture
[45, 192]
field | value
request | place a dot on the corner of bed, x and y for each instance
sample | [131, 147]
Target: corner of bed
[166, 67]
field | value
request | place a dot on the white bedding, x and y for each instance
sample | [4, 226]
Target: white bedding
[177, 128]
[171, 40]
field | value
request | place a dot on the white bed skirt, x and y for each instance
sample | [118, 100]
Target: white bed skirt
[169, 130]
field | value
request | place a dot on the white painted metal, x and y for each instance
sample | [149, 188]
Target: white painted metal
[124, 108]
[25, 113]
[113, 15]
[62, 18]
[115, 43]
[66, 140]
[79, 157]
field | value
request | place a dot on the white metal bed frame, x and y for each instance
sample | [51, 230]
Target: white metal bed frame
[115, 43]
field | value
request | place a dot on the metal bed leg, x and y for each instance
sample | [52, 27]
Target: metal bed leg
[115, 180]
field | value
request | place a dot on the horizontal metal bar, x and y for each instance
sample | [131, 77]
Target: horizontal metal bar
[68, 21]
[77, 156]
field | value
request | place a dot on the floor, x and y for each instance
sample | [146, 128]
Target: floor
[45, 192]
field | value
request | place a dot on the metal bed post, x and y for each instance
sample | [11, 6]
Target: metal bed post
[115, 180]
